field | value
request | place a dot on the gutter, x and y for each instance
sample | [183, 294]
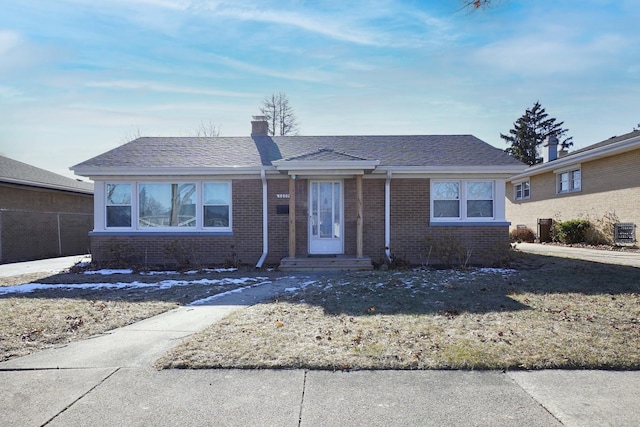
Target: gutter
[265, 222]
[387, 217]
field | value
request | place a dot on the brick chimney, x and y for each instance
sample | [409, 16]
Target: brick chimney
[259, 125]
[550, 149]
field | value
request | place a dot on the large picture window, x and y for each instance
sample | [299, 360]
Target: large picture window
[462, 200]
[167, 205]
[118, 205]
[216, 204]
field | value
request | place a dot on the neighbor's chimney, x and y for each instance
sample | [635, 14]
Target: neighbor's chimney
[550, 149]
[259, 125]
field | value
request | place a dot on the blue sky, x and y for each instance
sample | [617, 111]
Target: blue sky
[80, 77]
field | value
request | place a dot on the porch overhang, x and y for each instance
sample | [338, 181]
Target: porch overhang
[325, 168]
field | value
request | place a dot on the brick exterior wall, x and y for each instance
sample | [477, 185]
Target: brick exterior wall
[373, 219]
[609, 186]
[412, 238]
[40, 223]
[185, 249]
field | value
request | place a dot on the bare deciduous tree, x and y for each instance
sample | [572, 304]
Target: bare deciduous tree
[209, 130]
[279, 114]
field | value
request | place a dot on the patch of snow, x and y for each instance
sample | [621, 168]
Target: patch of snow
[158, 273]
[224, 294]
[497, 270]
[219, 270]
[164, 284]
[108, 272]
[290, 289]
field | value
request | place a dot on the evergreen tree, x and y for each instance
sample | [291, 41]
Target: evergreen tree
[530, 131]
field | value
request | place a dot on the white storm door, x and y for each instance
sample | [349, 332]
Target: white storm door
[325, 218]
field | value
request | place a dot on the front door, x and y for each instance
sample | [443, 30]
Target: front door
[325, 218]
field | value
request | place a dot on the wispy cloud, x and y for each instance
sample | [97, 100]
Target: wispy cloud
[541, 54]
[310, 22]
[8, 41]
[306, 75]
[158, 87]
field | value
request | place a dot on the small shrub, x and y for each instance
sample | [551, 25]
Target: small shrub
[602, 230]
[522, 235]
[177, 251]
[448, 251]
[570, 232]
[398, 262]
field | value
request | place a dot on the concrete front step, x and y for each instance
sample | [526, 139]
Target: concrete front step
[326, 263]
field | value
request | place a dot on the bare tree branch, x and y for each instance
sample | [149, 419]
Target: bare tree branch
[279, 114]
[207, 130]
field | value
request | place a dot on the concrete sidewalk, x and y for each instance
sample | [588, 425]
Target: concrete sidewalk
[109, 381]
[53, 265]
[631, 259]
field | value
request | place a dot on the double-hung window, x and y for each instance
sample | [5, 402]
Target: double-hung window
[464, 200]
[118, 204]
[446, 199]
[523, 190]
[569, 181]
[216, 204]
[479, 199]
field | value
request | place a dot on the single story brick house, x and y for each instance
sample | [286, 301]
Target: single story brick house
[300, 202]
[42, 214]
[600, 183]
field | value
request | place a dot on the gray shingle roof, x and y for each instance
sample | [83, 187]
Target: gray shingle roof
[261, 150]
[16, 172]
[606, 142]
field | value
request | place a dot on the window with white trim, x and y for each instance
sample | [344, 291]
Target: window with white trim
[166, 205]
[523, 190]
[466, 200]
[569, 181]
[216, 204]
[446, 199]
[479, 197]
[118, 205]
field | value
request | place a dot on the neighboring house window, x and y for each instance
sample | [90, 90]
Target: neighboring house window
[217, 204]
[167, 205]
[569, 181]
[118, 205]
[462, 200]
[523, 190]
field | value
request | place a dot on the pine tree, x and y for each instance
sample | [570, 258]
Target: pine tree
[530, 131]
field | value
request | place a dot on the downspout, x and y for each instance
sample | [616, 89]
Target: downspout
[387, 217]
[265, 221]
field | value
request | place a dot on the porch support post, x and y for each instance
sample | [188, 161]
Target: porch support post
[292, 216]
[359, 238]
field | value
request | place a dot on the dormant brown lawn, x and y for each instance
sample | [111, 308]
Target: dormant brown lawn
[547, 313]
[41, 319]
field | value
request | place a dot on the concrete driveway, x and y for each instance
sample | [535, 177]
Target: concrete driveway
[631, 259]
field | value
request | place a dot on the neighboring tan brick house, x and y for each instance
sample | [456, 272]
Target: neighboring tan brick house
[42, 214]
[299, 201]
[600, 183]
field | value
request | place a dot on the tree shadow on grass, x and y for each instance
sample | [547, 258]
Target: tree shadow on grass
[453, 292]
[411, 292]
[176, 288]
